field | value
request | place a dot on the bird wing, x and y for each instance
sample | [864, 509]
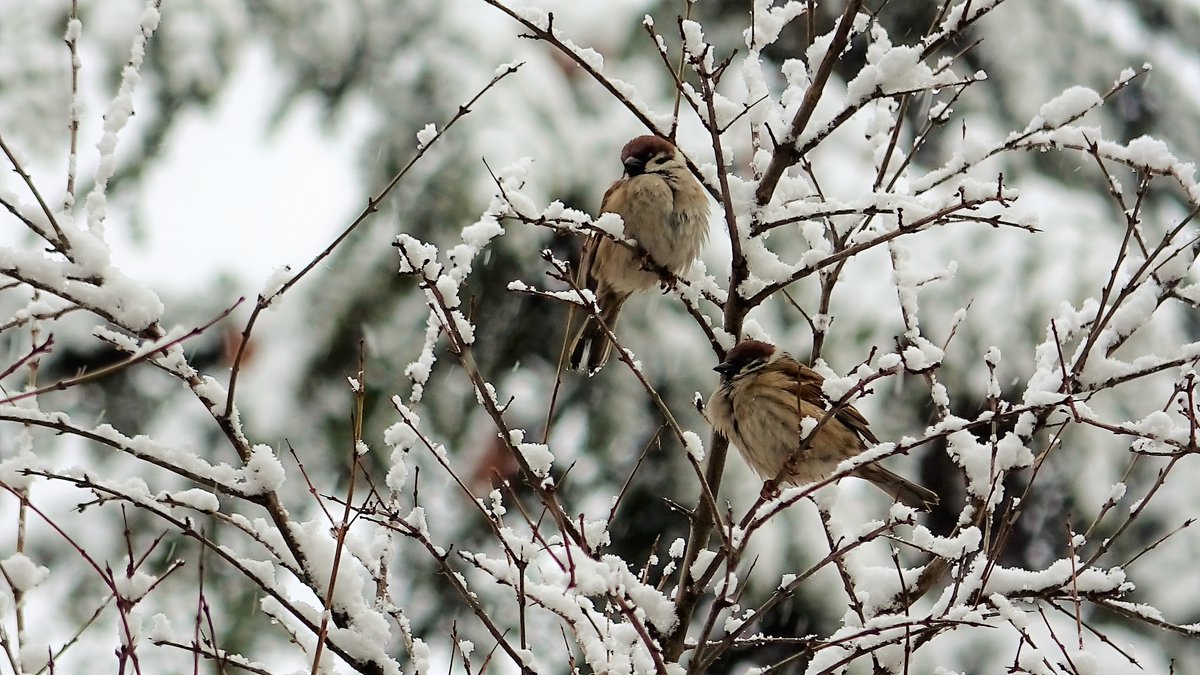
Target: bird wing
[608, 193]
[806, 383]
[586, 277]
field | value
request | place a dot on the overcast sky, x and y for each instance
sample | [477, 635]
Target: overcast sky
[228, 196]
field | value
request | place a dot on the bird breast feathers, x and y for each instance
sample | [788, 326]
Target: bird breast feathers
[645, 203]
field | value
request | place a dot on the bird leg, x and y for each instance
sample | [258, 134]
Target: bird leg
[770, 490]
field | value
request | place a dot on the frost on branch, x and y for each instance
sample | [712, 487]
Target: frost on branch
[874, 214]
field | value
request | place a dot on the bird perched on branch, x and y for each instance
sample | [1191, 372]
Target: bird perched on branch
[763, 396]
[665, 211]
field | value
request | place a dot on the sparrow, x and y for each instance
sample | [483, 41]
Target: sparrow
[666, 212]
[763, 396]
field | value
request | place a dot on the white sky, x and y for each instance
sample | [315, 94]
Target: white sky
[229, 197]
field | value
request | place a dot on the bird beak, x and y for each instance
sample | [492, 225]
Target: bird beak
[635, 166]
[724, 368]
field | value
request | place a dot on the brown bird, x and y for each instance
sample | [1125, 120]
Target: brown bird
[666, 211]
[763, 396]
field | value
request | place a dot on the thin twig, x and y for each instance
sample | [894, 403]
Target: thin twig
[371, 208]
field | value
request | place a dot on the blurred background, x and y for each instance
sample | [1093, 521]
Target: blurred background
[262, 127]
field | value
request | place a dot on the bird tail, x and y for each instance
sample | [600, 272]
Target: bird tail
[591, 347]
[901, 489]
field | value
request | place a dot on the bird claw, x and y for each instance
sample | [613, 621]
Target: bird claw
[667, 281]
[791, 464]
[770, 490]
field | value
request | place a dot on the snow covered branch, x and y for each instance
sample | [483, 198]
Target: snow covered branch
[1027, 345]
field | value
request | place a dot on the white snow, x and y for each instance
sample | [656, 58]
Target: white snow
[769, 21]
[264, 472]
[538, 456]
[22, 573]
[693, 445]
[203, 501]
[1065, 108]
[693, 38]
[677, 548]
[426, 135]
[1058, 575]
[951, 548]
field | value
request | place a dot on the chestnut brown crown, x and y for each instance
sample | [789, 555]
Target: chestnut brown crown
[643, 153]
[746, 356]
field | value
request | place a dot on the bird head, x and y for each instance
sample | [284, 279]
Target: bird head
[648, 154]
[746, 357]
